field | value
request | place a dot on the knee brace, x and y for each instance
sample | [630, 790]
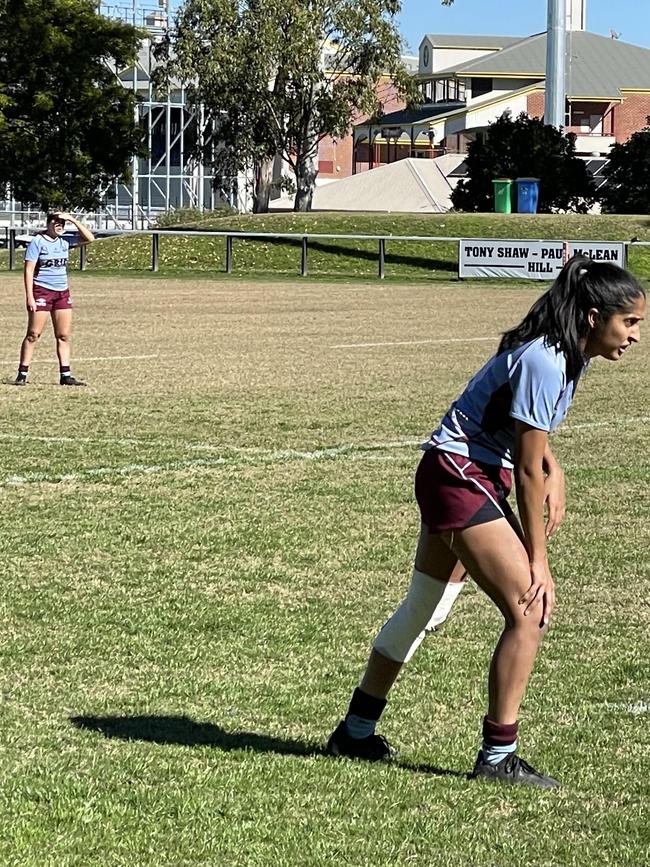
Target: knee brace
[426, 606]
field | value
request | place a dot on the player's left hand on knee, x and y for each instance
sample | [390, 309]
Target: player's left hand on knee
[540, 593]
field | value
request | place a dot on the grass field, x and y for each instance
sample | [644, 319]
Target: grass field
[199, 547]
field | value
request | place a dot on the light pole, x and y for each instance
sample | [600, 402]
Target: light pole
[555, 96]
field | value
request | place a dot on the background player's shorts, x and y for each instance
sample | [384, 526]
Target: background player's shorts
[454, 492]
[49, 299]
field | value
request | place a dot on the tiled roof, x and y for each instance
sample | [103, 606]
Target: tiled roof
[597, 66]
[413, 115]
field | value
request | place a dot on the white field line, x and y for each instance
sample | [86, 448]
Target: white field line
[335, 451]
[245, 454]
[207, 447]
[639, 419]
[115, 441]
[214, 447]
[413, 342]
[98, 472]
[86, 360]
[639, 707]
[636, 708]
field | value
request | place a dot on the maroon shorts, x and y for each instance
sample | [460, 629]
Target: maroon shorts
[454, 492]
[49, 299]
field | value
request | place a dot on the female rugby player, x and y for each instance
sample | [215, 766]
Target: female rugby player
[498, 428]
[47, 293]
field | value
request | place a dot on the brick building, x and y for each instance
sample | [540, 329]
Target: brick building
[468, 82]
[335, 155]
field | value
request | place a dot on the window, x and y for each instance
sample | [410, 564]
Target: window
[443, 90]
[481, 86]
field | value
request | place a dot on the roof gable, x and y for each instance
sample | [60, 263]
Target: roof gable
[450, 40]
[528, 55]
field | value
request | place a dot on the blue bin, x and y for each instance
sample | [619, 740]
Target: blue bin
[527, 195]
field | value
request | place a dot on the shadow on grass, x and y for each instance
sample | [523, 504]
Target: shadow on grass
[339, 250]
[183, 731]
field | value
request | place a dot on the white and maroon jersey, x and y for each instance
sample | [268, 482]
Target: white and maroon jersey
[528, 384]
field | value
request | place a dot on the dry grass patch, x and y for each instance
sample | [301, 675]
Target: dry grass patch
[199, 547]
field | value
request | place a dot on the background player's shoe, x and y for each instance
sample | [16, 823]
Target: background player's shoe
[512, 769]
[20, 380]
[374, 748]
[70, 380]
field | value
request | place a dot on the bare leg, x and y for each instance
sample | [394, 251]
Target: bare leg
[498, 562]
[380, 674]
[35, 325]
[62, 322]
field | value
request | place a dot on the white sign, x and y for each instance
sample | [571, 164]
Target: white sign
[529, 260]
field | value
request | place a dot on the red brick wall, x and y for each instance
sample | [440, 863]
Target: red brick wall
[536, 104]
[628, 117]
[335, 155]
[631, 115]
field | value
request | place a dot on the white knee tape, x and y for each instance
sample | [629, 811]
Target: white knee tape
[425, 607]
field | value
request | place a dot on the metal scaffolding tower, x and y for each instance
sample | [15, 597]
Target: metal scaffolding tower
[171, 176]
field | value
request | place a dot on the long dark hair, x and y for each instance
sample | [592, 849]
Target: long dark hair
[560, 315]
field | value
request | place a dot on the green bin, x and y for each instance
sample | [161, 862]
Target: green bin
[502, 195]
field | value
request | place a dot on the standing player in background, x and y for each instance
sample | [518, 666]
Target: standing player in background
[47, 294]
[498, 428]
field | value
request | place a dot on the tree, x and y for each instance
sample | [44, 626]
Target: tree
[67, 125]
[627, 173]
[276, 76]
[525, 147]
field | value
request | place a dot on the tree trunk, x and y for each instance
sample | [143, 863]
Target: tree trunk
[262, 190]
[306, 172]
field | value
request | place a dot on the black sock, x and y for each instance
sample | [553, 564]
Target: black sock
[363, 714]
[23, 370]
[64, 371]
[366, 705]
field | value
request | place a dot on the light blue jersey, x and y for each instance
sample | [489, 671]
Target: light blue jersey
[528, 384]
[51, 257]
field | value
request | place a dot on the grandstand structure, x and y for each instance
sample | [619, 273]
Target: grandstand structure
[170, 176]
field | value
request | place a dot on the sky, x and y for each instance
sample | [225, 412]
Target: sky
[630, 18]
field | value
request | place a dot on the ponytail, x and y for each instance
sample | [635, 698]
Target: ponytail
[560, 315]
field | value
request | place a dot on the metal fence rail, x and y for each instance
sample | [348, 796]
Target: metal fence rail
[299, 237]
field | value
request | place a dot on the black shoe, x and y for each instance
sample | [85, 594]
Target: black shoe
[512, 769]
[20, 380]
[374, 748]
[70, 380]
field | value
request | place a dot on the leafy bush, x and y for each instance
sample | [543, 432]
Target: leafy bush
[627, 190]
[524, 148]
